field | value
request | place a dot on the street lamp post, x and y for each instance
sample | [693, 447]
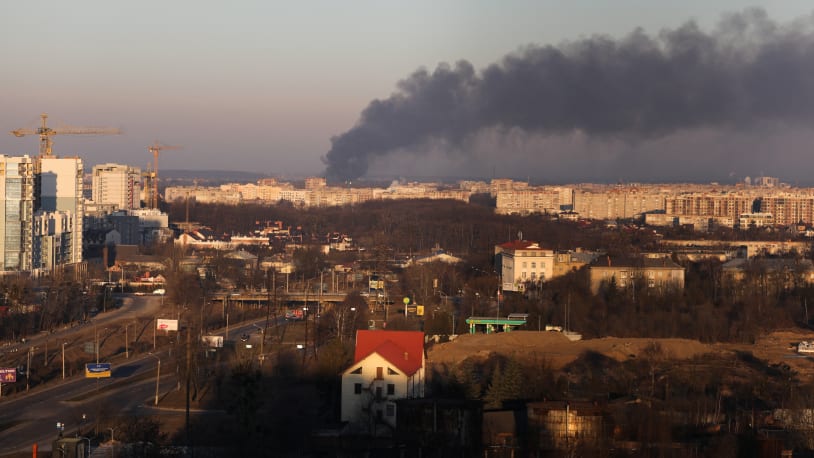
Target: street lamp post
[28, 368]
[126, 340]
[305, 317]
[96, 341]
[262, 339]
[87, 453]
[81, 425]
[157, 376]
[63, 360]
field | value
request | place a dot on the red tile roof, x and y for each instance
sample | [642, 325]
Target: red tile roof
[404, 349]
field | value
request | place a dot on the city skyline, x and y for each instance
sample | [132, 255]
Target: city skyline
[265, 86]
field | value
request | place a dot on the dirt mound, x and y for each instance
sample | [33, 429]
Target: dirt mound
[555, 348]
[777, 348]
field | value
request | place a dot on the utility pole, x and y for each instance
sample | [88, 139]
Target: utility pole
[63, 360]
[28, 369]
[188, 377]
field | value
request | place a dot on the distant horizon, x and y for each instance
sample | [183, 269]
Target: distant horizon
[731, 181]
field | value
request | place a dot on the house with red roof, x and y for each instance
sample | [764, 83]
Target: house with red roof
[387, 366]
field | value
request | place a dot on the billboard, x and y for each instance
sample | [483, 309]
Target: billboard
[97, 370]
[166, 325]
[213, 341]
[8, 375]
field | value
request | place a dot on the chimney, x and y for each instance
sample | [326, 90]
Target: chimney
[406, 356]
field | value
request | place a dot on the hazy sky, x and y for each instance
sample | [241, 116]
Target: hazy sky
[263, 86]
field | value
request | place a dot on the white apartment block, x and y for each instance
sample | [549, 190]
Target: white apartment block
[53, 239]
[60, 187]
[533, 200]
[116, 184]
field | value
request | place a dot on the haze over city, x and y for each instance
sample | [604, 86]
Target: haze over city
[590, 91]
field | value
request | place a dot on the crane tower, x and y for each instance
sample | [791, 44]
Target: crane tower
[156, 149]
[45, 133]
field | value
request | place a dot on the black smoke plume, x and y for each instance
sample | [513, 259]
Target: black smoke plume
[748, 70]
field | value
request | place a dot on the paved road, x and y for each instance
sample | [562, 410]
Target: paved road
[31, 418]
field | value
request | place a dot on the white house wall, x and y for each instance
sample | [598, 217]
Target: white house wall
[354, 405]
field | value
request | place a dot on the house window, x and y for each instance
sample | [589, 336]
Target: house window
[378, 392]
[357, 388]
[523, 275]
[390, 410]
[391, 389]
[524, 264]
[391, 372]
[358, 370]
[533, 265]
[379, 373]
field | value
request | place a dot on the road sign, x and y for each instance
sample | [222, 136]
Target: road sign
[8, 375]
[97, 370]
[166, 325]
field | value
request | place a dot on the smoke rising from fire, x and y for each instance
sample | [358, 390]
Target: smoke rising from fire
[748, 71]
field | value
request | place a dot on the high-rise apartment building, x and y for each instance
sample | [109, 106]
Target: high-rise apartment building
[60, 188]
[16, 213]
[117, 184]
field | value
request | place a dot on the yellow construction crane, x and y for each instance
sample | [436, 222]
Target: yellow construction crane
[156, 149]
[46, 133]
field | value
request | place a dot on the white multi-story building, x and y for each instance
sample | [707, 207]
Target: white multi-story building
[53, 239]
[17, 212]
[60, 190]
[116, 184]
[522, 262]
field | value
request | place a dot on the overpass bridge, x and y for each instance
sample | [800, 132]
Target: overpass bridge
[292, 298]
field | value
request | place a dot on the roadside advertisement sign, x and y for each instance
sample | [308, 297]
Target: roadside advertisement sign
[213, 341]
[166, 325]
[97, 370]
[8, 375]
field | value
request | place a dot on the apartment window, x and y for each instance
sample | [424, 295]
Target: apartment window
[378, 392]
[523, 275]
[391, 389]
[357, 388]
[379, 373]
[390, 410]
[533, 265]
